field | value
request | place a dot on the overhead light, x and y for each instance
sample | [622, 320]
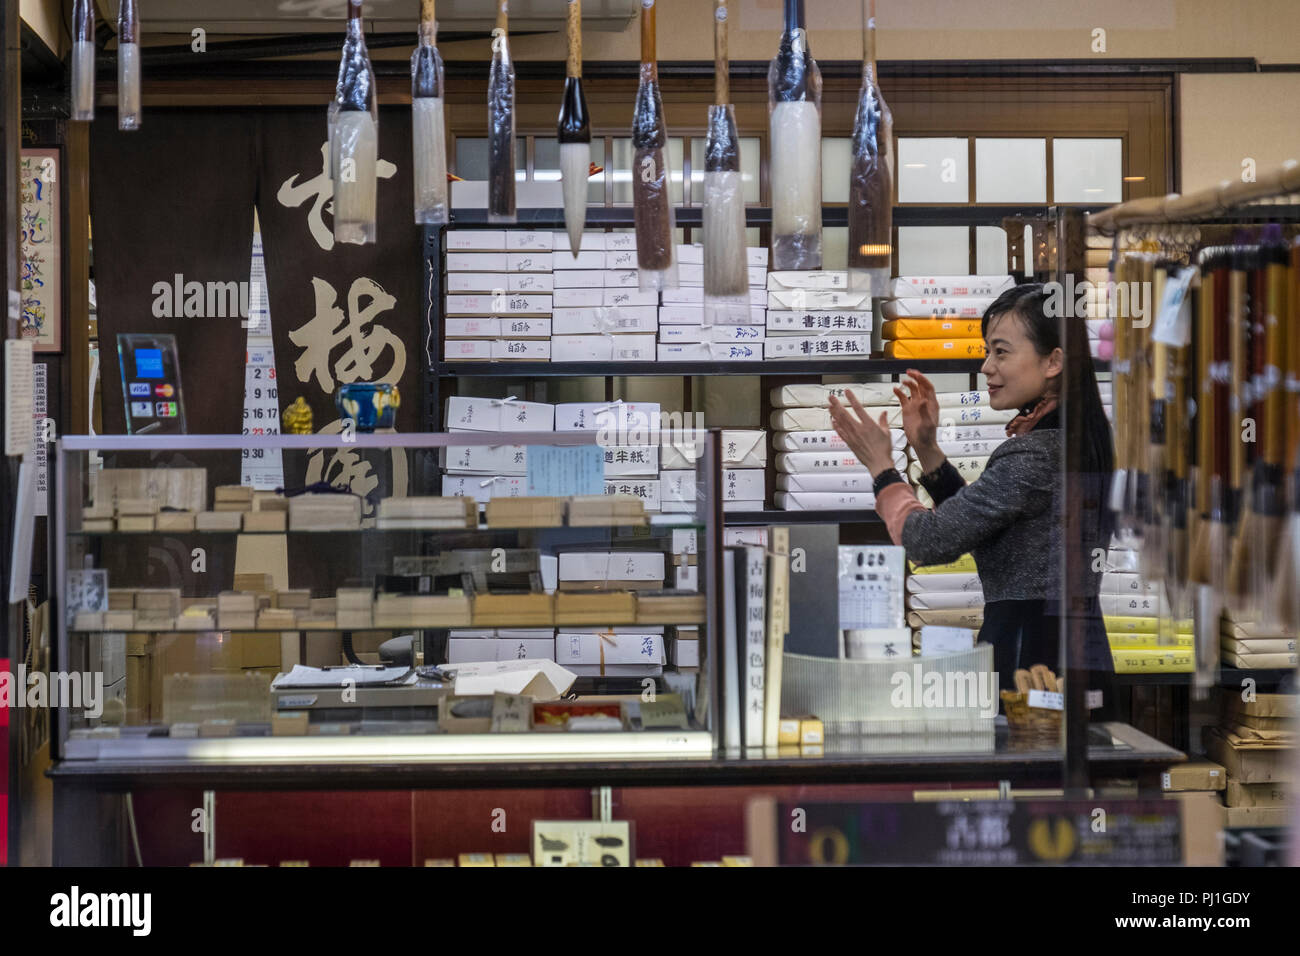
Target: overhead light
[1135, 179]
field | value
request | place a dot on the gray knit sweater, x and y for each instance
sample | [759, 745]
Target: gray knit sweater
[1007, 519]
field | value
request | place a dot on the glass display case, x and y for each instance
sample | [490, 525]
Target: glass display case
[468, 596]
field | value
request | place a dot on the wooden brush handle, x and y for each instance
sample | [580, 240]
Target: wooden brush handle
[1205, 393]
[647, 31]
[1278, 276]
[503, 15]
[721, 81]
[427, 14]
[1237, 364]
[869, 33]
[1293, 358]
[573, 31]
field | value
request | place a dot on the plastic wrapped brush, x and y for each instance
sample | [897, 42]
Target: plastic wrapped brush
[651, 210]
[501, 123]
[128, 66]
[726, 273]
[428, 133]
[795, 134]
[354, 138]
[573, 132]
[83, 60]
[871, 180]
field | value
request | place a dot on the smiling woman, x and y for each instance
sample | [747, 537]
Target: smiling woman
[1010, 518]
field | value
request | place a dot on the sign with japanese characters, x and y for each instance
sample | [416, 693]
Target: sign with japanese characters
[40, 278]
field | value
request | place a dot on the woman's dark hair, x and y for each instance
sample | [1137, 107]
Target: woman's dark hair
[1079, 395]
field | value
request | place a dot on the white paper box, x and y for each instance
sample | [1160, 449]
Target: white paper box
[960, 307]
[466, 350]
[856, 481]
[803, 300]
[828, 440]
[573, 648]
[819, 396]
[934, 286]
[823, 501]
[465, 413]
[954, 399]
[690, 254]
[622, 278]
[952, 433]
[820, 281]
[1129, 584]
[688, 578]
[620, 259]
[917, 583]
[468, 486]
[579, 278]
[603, 348]
[599, 319]
[473, 327]
[467, 650]
[727, 334]
[518, 240]
[690, 275]
[476, 281]
[525, 648]
[677, 492]
[756, 256]
[578, 298]
[740, 537]
[530, 282]
[681, 315]
[743, 448]
[459, 240]
[878, 643]
[682, 334]
[488, 633]
[944, 600]
[484, 459]
[508, 304]
[743, 484]
[626, 460]
[806, 462]
[628, 297]
[521, 350]
[611, 566]
[647, 489]
[529, 261]
[711, 352]
[590, 240]
[829, 347]
[805, 323]
[694, 295]
[476, 262]
[684, 653]
[975, 416]
[525, 327]
[586, 259]
[628, 419]
[617, 241]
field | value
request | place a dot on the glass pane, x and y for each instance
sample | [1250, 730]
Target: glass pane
[622, 165]
[990, 250]
[933, 250]
[835, 168]
[1011, 170]
[1088, 170]
[472, 158]
[546, 165]
[753, 237]
[933, 170]
[749, 153]
[835, 247]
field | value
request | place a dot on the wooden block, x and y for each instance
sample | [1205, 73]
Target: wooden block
[265, 521]
[200, 621]
[325, 605]
[297, 599]
[184, 488]
[99, 509]
[276, 619]
[135, 523]
[98, 525]
[236, 620]
[513, 610]
[253, 581]
[595, 608]
[670, 608]
[174, 521]
[88, 621]
[240, 600]
[158, 599]
[121, 599]
[270, 501]
[119, 620]
[232, 493]
[229, 506]
[217, 521]
[529, 512]
[290, 723]
[136, 506]
[354, 598]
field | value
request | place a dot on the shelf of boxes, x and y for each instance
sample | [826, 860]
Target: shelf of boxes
[938, 317]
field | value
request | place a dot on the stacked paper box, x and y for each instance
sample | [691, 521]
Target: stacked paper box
[683, 334]
[600, 313]
[630, 440]
[968, 433]
[744, 460]
[944, 595]
[815, 469]
[500, 644]
[935, 317]
[815, 315]
[499, 295]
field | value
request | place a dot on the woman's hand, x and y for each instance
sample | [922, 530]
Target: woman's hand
[920, 407]
[867, 439]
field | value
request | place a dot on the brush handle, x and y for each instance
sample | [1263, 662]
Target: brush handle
[573, 31]
[869, 34]
[427, 14]
[647, 31]
[83, 20]
[1293, 363]
[1205, 395]
[128, 20]
[1275, 334]
[721, 66]
[503, 15]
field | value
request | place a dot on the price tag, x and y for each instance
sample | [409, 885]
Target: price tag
[1046, 700]
[510, 713]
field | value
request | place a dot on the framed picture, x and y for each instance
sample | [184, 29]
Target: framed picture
[41, 276]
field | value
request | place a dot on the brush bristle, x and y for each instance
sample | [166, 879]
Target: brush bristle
[575, 162]
[725, 269]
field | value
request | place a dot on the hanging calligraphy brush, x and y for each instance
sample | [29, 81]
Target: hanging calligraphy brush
[651, 209]
[794, 136]
[1154, 543]
[1261, 521]
[428, 134]
[1242, 429]
[83, 60]
[128, 66]
[574, 135]
[1178, 440]
[501, 122]
[1286, 581]
[354, 138]
[726, 276]
[1123, 395]
[871, 177]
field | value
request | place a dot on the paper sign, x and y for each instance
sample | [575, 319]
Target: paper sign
[666, 710]
[871, 586]
[510, 713]
[87, 591]
[562, 471]
[18, 400]
[40, 450]
[1174, 321]
[937, 640]
[1046, 699]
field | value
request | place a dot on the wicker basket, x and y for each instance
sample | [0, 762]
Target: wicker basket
[1022, 718]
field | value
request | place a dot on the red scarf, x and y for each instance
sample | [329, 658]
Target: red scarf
[1025, 421]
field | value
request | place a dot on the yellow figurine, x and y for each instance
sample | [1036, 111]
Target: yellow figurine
[297, 418]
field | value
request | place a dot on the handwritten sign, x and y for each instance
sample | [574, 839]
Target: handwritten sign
[40, 277]
[572, 470]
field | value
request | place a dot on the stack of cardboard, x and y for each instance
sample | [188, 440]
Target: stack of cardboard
[1253, 646]
[513, 610]
[427, 512]
[98, 517]
[814, 315]
[1255, 743]
[944, 595]
[136, 514]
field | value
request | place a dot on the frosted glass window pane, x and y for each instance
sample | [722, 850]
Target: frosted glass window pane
[546, 165]
[835, 247]
[933, 170]
[749, 152]
[1010, 170]
[933, 250]
[622, 167]
[1088, 170]
[835, 168]
[990, 250]
[472, 158]
[753, 237]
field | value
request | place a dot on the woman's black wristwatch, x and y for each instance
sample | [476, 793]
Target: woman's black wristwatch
[885, 479]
